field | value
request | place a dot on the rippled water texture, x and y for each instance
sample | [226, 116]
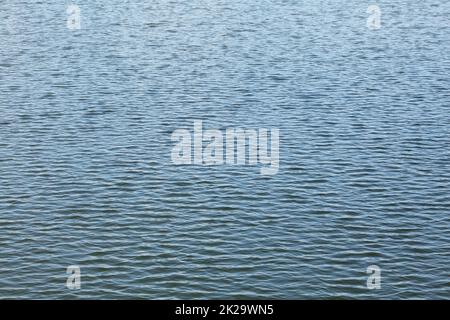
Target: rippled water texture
[86, 176]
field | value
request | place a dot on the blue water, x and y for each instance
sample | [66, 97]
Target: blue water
[86, 176]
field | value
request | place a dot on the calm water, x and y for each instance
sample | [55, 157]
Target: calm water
[86, 176]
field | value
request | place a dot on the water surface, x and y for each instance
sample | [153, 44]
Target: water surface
[85, 171]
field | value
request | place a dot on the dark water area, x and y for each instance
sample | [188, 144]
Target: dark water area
[86, 176]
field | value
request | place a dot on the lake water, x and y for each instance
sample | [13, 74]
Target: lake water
[86, 176]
